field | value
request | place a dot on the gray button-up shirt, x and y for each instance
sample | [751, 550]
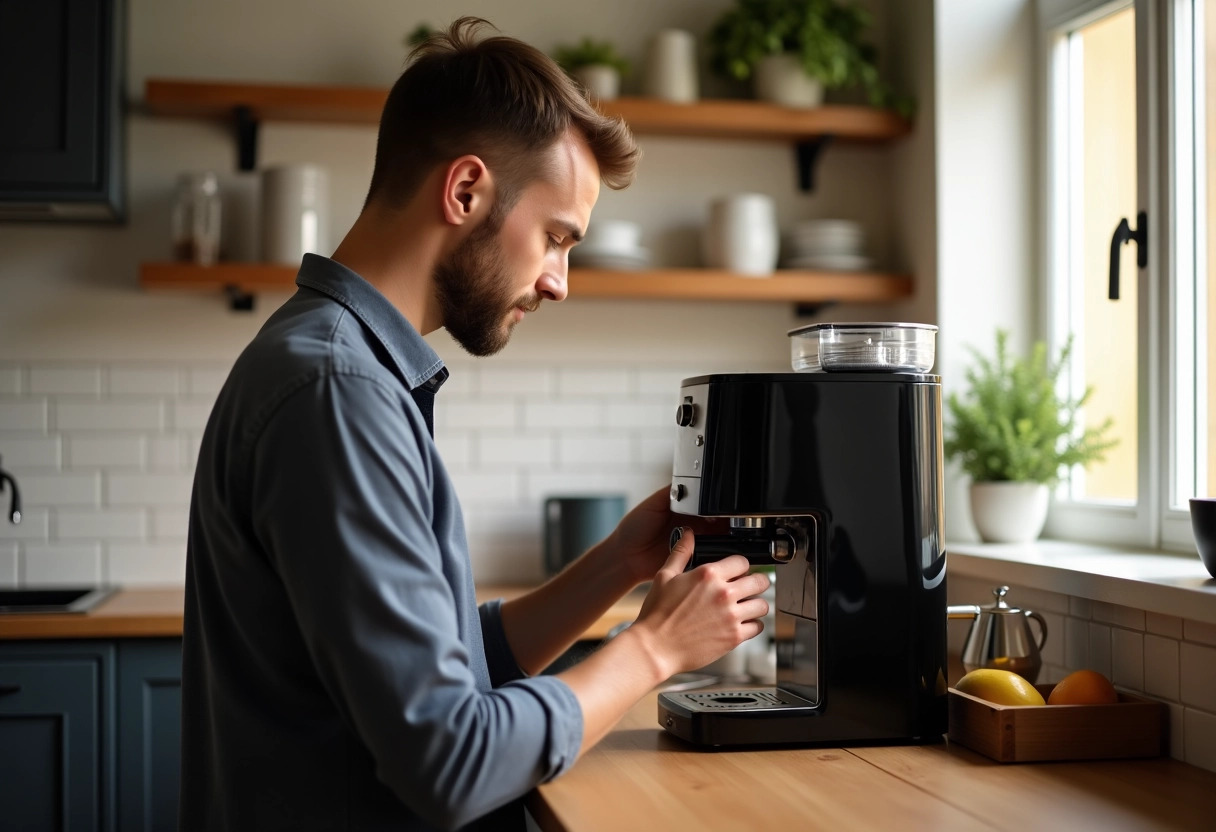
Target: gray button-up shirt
[337, 671]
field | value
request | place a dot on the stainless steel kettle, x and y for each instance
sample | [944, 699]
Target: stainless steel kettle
[1000, 637]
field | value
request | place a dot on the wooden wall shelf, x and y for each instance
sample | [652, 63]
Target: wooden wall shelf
[717, 118]
[803, 287]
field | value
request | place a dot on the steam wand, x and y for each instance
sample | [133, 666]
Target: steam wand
[14, 507]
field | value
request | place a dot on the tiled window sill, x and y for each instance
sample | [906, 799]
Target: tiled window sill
[1165, 583]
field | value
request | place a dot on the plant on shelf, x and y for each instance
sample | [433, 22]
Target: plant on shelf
[419, 34]
[795, 49]
[1014, 434]
[596, 65]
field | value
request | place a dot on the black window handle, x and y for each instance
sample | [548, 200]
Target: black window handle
[1124, 234]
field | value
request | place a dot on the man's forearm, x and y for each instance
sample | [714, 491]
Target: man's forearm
[541, 625]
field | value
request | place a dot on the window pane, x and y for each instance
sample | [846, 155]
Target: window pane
[1103, 191]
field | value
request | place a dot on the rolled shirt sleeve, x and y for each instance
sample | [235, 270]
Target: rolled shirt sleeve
[345, 508]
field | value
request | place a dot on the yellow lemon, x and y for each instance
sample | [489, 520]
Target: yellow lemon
[1001, 687]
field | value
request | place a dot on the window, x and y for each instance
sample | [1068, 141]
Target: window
[1130, 121]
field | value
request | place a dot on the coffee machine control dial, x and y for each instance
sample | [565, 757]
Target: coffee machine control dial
[686, 413]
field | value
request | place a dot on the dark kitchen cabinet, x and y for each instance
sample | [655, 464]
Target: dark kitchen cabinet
[61, 149]
[89, 734]
[56, 724]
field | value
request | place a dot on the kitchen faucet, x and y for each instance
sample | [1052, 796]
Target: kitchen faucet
[14, 513]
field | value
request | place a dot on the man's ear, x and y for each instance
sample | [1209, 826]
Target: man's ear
[468, 191]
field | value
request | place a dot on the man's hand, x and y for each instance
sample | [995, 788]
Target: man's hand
[689, 619]
[641, 539]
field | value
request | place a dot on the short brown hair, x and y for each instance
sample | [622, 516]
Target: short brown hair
[497, 98]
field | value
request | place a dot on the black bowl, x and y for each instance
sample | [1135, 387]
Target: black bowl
[1203, 522]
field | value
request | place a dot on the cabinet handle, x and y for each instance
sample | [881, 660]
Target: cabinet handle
[7, 689]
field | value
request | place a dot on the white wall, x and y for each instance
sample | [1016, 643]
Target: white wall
[104, 388]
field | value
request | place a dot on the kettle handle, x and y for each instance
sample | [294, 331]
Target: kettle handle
[1042, 627]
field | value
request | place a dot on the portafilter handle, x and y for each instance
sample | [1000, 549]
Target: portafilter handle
[711, 547]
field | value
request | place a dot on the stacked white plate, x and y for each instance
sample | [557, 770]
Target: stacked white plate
[835, 245]
[611, 244]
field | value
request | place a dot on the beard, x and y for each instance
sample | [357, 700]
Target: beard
[474, 293]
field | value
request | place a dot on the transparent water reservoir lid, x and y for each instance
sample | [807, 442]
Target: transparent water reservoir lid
[863, 347]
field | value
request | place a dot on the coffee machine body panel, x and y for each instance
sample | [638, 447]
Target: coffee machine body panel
[854, 461]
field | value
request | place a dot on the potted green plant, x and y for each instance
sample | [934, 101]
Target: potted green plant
[596, 65]
[1014, 434]
[795, 49]
[419, 34]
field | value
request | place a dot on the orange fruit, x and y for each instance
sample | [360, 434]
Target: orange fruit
[1084, 687]
[1002, 687]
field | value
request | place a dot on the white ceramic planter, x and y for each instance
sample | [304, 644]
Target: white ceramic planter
[1009, 512]
[780, 79]
[603, 82]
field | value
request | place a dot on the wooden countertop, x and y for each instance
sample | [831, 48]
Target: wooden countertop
[152, 613]
[639, 777]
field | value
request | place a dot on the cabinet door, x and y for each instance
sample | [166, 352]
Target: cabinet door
[149, 733]
[60, 86]
[56, 705]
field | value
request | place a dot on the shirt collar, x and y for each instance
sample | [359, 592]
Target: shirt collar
[418, 362]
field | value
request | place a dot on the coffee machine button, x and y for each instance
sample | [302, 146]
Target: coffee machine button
[699, 441]
[678, 491]
[685, 414]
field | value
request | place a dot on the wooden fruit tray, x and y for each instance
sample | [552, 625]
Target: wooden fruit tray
[1132, 727]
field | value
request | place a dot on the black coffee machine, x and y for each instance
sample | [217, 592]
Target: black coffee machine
[836, 478]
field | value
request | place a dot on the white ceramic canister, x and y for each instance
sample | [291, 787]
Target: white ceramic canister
[295, 213]
[741, 235]
[671, 66]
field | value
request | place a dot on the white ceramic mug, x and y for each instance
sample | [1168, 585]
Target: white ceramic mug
[741, 235]
[671, 66]
[295, 213]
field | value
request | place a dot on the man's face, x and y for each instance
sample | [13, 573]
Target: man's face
[505, 268]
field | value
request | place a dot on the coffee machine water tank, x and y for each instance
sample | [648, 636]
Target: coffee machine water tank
[841, 474]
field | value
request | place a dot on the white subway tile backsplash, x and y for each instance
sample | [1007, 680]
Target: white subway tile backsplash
[493, 488]
[1161, 673]
[1201, 739]
[23, 415]
[461, 381]
[9, 574]
[83, 381]
[190, 414]
[166, 453]
[1178, 732]
[1199, 631]
[35, 522]
[465, 414]
[1039, 600]
[205, 381]
[101, 452]
[1198, 666]
[149, 489]
[572, 415]
[62, 489]
[1053, 647]
[1125, 617]
[109, 415]
[147, 564]
[61, 564]
[594, 451]
[658, 452]
[1081, 608]
[500, 450]
[1099, 649]
[593, 381]
[144, 381]
[455, 448]
[104, 524]
[170, 524]
[516, 381]
[1076, 643]
[31, 451]
[10, 381]
[662, 381]
[1127, 658]
[646, 415]
[1163, 625]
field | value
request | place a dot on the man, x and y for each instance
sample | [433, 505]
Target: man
[337, 671]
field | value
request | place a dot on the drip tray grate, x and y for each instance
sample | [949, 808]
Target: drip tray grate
[731, 700]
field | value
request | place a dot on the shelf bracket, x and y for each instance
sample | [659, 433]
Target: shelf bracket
[807, 152]
[246, 137]
[238, 299]
[810, 310]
